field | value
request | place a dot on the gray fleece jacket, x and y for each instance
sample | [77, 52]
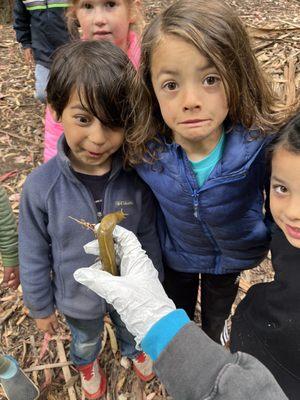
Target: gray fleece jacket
[193, 367]
[51, 243]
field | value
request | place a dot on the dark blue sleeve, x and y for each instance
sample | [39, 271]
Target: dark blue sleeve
[22, 24]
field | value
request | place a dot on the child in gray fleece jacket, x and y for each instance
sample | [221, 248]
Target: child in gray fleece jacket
[87, 92]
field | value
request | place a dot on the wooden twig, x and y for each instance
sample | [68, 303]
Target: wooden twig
[290, 73]
[86, 225]
[14, 135]
[48, 366]
[10, 312]
[294, 27]
[7, 175]
[66, 369]
[35, 354]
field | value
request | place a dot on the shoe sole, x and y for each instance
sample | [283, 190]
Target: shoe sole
[144, 378]
[101, 391]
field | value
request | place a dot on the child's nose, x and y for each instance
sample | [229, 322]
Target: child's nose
[292, 211]
[99, 16]
[191, 100]
[97, 135]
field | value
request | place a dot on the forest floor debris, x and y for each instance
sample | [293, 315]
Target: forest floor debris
[274, 27]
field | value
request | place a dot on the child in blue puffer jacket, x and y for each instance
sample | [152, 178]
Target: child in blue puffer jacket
[201, 109]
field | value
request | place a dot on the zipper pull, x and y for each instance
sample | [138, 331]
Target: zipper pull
[195, 203]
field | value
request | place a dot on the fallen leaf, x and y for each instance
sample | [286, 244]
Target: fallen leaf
[8, 175]
[112, 338]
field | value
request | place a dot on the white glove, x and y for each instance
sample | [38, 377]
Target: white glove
[137, 294]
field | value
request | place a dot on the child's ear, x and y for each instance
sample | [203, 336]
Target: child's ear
[53, 113]
[135, 11]
[72, 22]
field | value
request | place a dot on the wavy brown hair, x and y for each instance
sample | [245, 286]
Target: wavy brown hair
[217, 32]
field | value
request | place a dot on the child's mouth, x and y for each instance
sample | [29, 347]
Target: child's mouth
[94, 155]
[293, 232]
[101, 34]
[195, 122]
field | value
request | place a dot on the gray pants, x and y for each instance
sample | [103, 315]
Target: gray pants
[41, 80]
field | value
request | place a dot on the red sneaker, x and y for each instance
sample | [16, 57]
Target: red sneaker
[93, 381]
[143, 367]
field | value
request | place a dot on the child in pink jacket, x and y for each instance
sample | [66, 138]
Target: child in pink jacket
[114, 23]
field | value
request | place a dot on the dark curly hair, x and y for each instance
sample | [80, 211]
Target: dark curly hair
[98, 71]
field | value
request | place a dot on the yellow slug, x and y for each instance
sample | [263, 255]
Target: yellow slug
[106, 242]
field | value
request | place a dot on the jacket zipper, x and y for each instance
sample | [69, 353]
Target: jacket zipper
[195, 202]
[195, 197]
[111, 178]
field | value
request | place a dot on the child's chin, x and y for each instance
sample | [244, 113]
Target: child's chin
[294, 242]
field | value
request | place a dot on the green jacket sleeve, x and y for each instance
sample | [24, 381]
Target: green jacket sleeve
[8, 232]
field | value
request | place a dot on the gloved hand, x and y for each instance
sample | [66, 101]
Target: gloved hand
[137, 295]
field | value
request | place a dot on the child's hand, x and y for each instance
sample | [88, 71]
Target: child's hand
[11, 278]
[28, 56]
[48, 324]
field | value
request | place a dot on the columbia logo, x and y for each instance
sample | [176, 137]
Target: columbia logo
[123, 203]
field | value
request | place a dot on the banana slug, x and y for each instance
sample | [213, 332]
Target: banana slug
[106, 242]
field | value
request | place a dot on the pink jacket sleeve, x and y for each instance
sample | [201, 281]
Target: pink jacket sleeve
[134, 49]
[53, 130]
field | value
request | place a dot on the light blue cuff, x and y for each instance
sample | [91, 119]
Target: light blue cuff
[163, 332]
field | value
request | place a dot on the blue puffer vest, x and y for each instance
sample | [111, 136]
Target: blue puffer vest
[217, 228]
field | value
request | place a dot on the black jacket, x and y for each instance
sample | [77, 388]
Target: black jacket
[267, 321]
[41, 25]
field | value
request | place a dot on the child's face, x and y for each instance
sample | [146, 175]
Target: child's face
[285, 193]
[191, 95]
[103, 19]
[91, 143]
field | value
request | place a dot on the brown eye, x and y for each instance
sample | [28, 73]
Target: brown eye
[82, 120]
[211, 80]
[87, 6]
[110, 4]
[170, 86]
[280, 189]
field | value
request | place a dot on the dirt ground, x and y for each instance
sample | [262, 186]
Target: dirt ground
[275, 29]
